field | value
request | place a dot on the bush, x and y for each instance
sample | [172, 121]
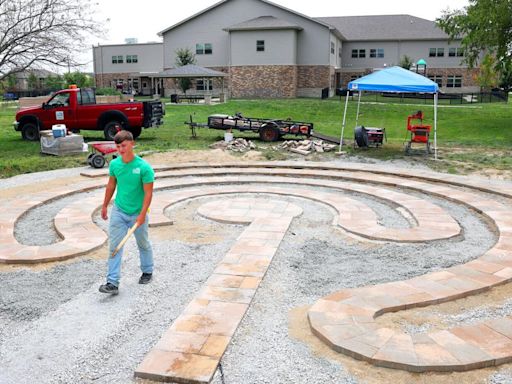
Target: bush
[107, 92]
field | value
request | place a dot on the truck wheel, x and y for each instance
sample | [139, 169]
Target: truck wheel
[111, 128]
[97, 161]
[135, 131]
[269, 133]
[30, 131]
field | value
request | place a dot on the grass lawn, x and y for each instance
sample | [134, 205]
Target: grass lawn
[474, 135]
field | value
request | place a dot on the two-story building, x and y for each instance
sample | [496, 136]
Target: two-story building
[271, 51]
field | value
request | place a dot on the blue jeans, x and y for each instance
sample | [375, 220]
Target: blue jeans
[119, 225]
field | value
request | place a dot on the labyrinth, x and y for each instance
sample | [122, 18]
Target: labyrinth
[347, 320]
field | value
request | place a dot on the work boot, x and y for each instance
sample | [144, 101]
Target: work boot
[145, 278]
[109, 288]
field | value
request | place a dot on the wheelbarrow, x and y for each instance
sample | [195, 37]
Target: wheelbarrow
[100, 150]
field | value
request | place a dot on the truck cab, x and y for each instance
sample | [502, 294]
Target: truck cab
[77, 109]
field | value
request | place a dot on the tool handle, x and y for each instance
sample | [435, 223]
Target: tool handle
[125, 239]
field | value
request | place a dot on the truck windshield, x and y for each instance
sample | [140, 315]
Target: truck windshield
[59, 100]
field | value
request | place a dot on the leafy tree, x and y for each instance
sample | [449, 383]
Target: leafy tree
[184, 56]
[54, 83]
[405, 62]
[484, 26]
[32, 81]
[80, 79]
[38, 33]
[488, 78]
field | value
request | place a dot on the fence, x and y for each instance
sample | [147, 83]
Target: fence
[495, 96]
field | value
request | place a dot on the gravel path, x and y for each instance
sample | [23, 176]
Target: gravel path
[55, 321]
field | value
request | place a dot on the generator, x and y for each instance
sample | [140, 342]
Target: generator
[369, 136]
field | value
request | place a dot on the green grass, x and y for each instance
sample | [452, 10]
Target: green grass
[480, 127]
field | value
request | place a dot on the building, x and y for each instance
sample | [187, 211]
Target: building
[129, 67]
[271, 51]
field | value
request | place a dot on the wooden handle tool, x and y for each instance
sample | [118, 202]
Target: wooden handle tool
[125, 239]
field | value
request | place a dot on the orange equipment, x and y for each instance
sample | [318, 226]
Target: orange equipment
[420, 133]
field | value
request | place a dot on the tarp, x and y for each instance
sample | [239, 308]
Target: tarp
[394, 79]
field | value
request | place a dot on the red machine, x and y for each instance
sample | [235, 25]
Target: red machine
[419, 132]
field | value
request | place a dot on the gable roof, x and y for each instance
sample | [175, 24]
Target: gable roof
[385, 27]
[263, 22]
[315, 20]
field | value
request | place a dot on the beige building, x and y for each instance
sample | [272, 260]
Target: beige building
[270, 51]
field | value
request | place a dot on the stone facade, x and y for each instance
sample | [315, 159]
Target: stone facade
[314, 76]
[264, 81]
[469, 78]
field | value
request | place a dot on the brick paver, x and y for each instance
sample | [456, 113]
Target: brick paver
[346, 320]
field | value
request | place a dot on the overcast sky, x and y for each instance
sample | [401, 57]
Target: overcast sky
[144, 19]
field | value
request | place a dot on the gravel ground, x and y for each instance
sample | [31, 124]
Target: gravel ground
[55, 322]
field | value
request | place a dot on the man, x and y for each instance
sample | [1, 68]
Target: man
[133, 177]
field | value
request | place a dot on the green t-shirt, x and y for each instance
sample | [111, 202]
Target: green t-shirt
[130, 179]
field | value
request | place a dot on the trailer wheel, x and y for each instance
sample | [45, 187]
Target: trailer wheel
[89, 157]
[97, 161]
[29, 131]
[111, 128]
[269, 133]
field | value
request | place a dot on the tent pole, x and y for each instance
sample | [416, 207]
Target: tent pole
[358, 104]
[435, 126]
[344, 119]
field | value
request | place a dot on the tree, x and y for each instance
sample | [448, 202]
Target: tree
[39, 33]
[32, 81]
[483, 26]
[184, 56]
[487, 77]
[80, 79]
[53, 83]
[405, 62]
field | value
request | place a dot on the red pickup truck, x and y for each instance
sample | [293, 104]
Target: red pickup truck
[77, 109]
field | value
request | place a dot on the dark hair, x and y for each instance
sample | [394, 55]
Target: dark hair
[123, 136]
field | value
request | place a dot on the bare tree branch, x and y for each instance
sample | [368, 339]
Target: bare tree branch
[40, 32]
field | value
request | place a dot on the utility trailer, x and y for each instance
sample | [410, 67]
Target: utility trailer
[267, 129]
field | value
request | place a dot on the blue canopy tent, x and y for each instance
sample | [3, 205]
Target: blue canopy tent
[394, 79]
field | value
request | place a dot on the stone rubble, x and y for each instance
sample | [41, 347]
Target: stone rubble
[305, 147]
[236, 145]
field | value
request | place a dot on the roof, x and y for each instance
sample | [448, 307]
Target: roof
[190, 71]
[394, 79]
[385, 27]
[263, 22]
[263, 1]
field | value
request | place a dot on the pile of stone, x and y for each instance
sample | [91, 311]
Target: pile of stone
[236, 145]
[305, 147]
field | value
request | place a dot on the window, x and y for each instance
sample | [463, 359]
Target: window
[204, 49]
[359, 53]
[86, 96]
[204, 85]
[436, 52]
[135, 83]
[454, 82]
[355, 77]
[377, 52]
[260, 45]
[333, 48]
[339, 51]
[459, 52]
[437, 78]
[117, 59]
[132, 59]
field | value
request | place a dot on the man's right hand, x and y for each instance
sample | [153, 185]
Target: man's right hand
[104, 214]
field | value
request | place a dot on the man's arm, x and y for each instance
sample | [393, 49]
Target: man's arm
[109, 192]
[148, 196]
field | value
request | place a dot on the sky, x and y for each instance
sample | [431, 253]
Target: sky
[144, 19]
